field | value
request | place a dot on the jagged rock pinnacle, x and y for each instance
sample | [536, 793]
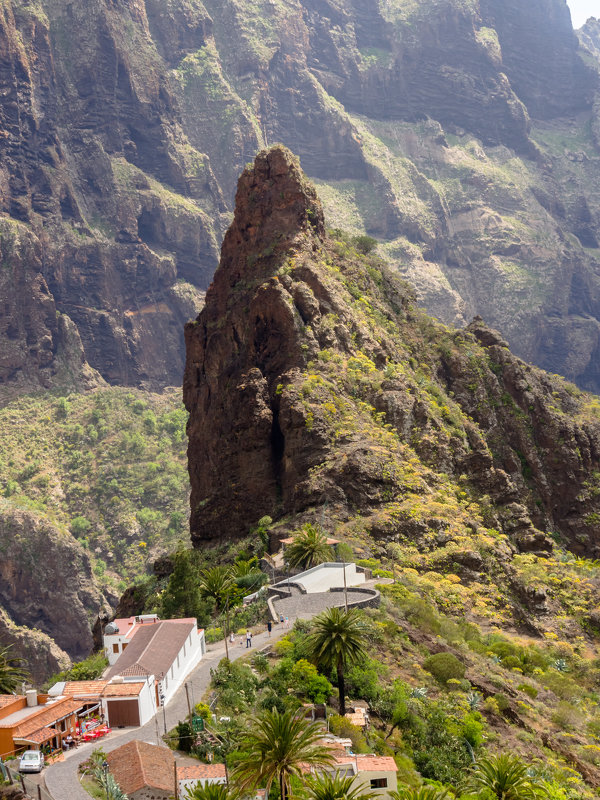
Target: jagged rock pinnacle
[274, 204]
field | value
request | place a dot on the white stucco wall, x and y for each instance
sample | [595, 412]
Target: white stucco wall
[191, 783]
[326, 576]
[146, 701]
[114, 639]
[187, 659]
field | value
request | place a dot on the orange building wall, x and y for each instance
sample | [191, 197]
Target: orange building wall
[7, 747]
[18, 703]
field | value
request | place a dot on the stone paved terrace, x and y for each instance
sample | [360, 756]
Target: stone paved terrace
[299, 605]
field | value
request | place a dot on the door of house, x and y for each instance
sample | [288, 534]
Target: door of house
[123, 713]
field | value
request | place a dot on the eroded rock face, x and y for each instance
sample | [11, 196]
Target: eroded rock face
[42, 656]
[312, 383]
[125, 125]
[46, 581]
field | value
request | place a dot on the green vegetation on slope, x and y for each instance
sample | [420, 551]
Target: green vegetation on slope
[108, 466]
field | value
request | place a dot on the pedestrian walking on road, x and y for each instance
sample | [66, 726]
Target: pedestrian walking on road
[281, 619]
[269, 626]
[287, 622]
[248, 638]
[232, 638]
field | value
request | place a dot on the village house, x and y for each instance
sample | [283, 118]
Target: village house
[147, 771]
[36, 721]
[121, 703]
[191, 775]
[143, 771]
[146, 648]
[374, 773]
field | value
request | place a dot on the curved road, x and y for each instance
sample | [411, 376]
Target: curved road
[62, 779]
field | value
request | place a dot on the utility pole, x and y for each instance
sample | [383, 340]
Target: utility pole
[187, 694]
[227, 627]
[345, 588]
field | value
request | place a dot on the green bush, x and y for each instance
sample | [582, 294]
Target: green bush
[88, 670]
[444, 667]
[341, 726]
[306, 681]
[502, 701]
[529, 690]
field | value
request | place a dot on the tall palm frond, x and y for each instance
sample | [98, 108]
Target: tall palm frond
[276, 747]
[12, 671]
[308, 548]
[338, 787]
[338, 640]
[505, 778]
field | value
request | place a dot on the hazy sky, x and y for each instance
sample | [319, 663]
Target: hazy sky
[581, 10]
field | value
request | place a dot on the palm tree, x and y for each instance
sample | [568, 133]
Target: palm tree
[338, 640]
[211, 791]
[216, 583]
[12, 672]
[309, 548]
[338, 787]
[276, 747]
[422, 793]
[504, 777]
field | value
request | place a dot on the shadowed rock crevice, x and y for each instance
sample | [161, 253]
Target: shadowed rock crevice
[312, 380]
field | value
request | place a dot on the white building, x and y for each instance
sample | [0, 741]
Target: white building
[122, 703]
[327, 576]
[148, 648]
[191, 775]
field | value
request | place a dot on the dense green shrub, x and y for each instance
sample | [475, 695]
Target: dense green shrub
[444, 667]
[306, 681]
[88, 670]
[529, 690]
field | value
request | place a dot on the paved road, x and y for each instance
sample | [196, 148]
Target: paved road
[62, 780]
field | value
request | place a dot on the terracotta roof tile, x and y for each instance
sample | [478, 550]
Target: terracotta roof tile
[153, 648]
[38, 737]
[138, 764]
[7, 699]
[369, 763]
[47, 716]
[84, 688]
[123, 689]
[197, 771]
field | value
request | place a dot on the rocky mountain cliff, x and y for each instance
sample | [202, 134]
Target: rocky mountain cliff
[315, 387]
[461, 133]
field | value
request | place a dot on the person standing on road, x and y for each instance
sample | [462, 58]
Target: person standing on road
[269, 626]
[248, 639]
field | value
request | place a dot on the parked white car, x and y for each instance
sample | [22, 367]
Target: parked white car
[31, 761]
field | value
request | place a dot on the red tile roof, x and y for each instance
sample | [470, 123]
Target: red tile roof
[369, 763]
[38, 737]
[7, 699]
[194, 772]
[154, 648]
[138, 764]
[123, 689]
[43, 717]
[84, 688]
